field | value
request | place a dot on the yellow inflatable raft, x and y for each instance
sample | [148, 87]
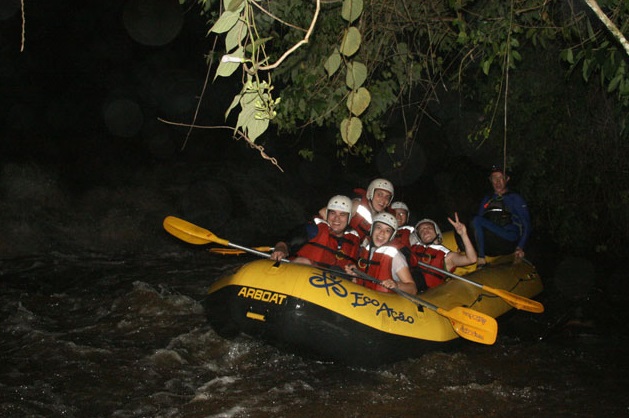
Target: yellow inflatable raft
[324, 314]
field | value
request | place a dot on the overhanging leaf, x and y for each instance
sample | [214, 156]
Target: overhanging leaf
[256, 127]
[356, 75]
[351, 9]
[233, 105]
[225, 22]
[250, 124]
[235, 35]
[234, 5]
[351, 41]
[333, 63]
[358, 101]
[351, 129]
[225, 69]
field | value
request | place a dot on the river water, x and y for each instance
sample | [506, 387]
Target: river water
[99, 336]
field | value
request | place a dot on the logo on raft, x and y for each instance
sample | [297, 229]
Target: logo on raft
[261, 295]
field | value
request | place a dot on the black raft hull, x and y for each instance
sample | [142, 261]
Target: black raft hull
[316, 313]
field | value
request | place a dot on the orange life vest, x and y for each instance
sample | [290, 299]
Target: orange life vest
[403, 237]
[377, 263]
[327, 248]
[361, 220]
[432, 254]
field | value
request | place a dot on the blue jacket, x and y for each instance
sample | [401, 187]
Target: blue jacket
[516, 206]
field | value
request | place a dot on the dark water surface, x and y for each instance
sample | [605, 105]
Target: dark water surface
[94, 336]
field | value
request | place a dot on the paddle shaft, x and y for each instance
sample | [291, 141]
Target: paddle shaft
[253, 251]
[467, 323]
[400, 292]
[517, 301]
[447, 273]
[233, 251]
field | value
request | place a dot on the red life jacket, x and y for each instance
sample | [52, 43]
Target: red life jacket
[361, 220]
[326, 248]
[377, 266]
[403, 237]
[432, 254]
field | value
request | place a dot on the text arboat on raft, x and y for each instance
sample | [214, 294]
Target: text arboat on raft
[322, 314]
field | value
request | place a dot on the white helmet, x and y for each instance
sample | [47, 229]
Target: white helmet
[383, 184]
[387, 219]
[437, 231]
[399, 205]
[340, 203]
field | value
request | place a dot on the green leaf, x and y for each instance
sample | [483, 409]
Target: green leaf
[252, 126]
[486, 65]
[351, 129]
[613, 85]
[351, 41]
[256, 44]
[235, 35]
[356, 75]
[256, 127]
[234, 5]
[586, 70]
[333, 63]
[351, 9]
[567, 55]
[358, 101]
[225, 22]
[233, 105]
[306, 154]
[225, 69]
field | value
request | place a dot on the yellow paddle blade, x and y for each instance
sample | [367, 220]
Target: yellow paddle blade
[190, 233]
[517, 301]
[472, 325]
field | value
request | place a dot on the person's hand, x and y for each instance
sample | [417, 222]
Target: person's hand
[390, 284]
[519, 253]
[278, 255]
[459, 227]
[349, 269]
[280, 251]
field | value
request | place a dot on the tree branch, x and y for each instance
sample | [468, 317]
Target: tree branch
[609, 24]
[298, 44]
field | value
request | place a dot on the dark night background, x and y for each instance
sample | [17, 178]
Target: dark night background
[86, 166]
[100, 308]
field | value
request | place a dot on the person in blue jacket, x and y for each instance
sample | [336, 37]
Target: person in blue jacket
[503, 223]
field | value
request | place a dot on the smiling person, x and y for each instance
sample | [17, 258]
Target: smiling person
[427, 248]
[503, 223]
[330, 241]
[367, 204]
[404, 231]
[383, 261]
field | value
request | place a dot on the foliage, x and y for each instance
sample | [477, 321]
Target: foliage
[364, 61]
[372, 57]
[566, 155]
[592, 51]
[360, 60]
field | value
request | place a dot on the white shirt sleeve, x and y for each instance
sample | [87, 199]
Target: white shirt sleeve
[398, 263]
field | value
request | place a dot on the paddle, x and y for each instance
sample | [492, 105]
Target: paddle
[468, 323]
[194, 234]
[517, 301]
[233, 251]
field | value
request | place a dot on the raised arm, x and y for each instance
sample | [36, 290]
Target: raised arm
[456, 259]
